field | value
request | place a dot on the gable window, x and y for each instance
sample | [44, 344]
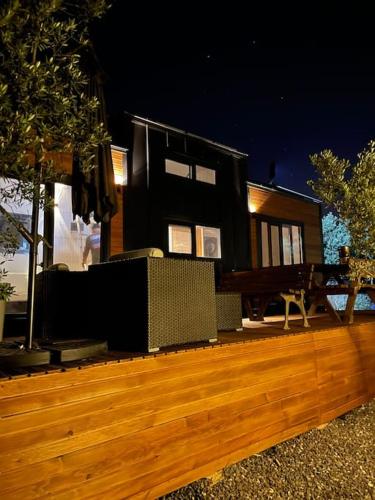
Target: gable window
[178, 168]
[204, 174]
[190, 171]
[206, 241]
[280, 243]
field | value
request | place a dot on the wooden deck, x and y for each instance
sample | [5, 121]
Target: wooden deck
[140, 426]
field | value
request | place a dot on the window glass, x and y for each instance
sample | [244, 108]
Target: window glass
[287, 245]
[119, 165]
[297, 245]
[75, 243]
[178, 168]
[179, 239]
[275, 245]
[265, 245]
[17, 266]
[208, 242]
[290, 246]
[204, 174]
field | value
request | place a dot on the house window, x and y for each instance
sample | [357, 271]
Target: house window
[206, 240]
[179, 239]
[119, 165]
[265, 245]
[74, 243]
[204, 174]
[17, 266]
[178, 168]
[190, 171]
[275, 245]
[281, 244]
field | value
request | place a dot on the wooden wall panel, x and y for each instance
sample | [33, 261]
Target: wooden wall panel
[145, 426]
[117, 224]
[280, 206]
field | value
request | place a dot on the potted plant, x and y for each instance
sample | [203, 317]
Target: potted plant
[6, 291]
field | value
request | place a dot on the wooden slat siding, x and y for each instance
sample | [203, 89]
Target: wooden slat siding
[118, 160]
[186, 403]
[158, 363]
[141, 430]
[113, 426]
[345, 362]
[62, 162]
[125, 458]
[117, 224]
[187, 378]
[276, 205]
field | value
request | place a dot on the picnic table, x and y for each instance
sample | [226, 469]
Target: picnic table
[258, 287]
[334, 280]
[294, 283]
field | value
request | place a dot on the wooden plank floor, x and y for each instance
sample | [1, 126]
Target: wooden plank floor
[141, 426]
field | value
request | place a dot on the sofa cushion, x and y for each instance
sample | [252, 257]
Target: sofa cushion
[135, 254]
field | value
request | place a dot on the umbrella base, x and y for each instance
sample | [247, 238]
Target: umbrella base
[13, 356]
[72, 350]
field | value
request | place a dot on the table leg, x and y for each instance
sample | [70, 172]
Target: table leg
[349, 310]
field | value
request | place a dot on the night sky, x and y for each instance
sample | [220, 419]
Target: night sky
[267, 84]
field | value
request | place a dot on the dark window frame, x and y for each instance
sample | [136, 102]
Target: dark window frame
[192, 226]
[274, 221]
[193, 168]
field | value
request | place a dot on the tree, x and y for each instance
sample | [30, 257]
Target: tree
[45, 106]
[335, 235]
[350, 190]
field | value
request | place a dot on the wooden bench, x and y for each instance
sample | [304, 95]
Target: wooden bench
[259, 286]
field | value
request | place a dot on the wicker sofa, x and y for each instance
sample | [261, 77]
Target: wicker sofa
[149, 302]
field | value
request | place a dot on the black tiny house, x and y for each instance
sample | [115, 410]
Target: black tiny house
[185, 194]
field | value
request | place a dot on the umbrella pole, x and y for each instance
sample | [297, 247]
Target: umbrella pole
[33, 257]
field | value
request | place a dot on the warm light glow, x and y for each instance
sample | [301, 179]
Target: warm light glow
[119, 165]
[250, 204]
[119, 179]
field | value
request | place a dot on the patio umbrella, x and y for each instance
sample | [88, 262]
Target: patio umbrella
[95, 192]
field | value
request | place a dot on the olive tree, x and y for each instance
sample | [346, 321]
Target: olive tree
[335, 235]
[350, 190]
[45, 103]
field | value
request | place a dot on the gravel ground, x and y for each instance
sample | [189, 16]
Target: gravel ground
[337, 462]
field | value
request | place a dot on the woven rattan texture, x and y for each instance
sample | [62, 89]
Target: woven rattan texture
[181, 306]
[229, 310]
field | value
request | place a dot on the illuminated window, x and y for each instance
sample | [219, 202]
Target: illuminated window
[178, 168]
[297, 244]
[287, 246]
[276, 250]
[75, 243]
[119, 165]
[190, 171]
[208, 242]
[204, 174]
[17, 266]
[179, 239]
